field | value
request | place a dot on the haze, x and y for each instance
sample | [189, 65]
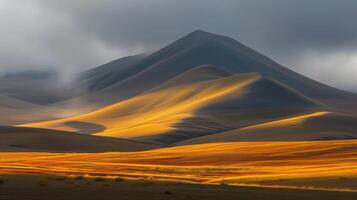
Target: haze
[317, 41]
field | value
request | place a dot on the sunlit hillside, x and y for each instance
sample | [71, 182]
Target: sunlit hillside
[189, 106]
[121, 99]
[157, 112]
[241, 119]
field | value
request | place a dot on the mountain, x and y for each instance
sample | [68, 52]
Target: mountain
[190, 109]
[200, 48]
[197, 74]
[107, 74]
[203, 86]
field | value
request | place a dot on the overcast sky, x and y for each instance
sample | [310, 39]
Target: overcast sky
[317, 38]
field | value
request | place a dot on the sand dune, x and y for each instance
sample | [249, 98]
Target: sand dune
[18, 139]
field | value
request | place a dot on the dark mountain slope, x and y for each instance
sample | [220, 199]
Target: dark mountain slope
[197, 74]
[199, 48]
[108, 74]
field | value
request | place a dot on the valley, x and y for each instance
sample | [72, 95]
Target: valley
[202, 113]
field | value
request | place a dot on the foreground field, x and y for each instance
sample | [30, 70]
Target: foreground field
[38, 187]
[325, 165]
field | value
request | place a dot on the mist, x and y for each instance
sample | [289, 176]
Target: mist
[71, 36]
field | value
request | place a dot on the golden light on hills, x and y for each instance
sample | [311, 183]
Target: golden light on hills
[286, 122]
[318, 164]
[156, 112]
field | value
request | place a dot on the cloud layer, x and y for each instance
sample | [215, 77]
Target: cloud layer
[317, 38]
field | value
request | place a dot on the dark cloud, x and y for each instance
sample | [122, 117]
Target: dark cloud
[85, 33]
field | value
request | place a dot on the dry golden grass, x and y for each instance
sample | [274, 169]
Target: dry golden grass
[318, 164]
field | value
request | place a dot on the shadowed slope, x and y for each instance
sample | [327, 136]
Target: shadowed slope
[197, 74]
[14, 103]
[108, 74]
[34, 87]
[15, 111]
[165, 115]
[312, 126]
[136, 75]
[15, 139]
[259, 101]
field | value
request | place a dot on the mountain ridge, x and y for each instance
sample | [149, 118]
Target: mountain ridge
[200, 48]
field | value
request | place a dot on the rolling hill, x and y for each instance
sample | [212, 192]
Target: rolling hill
[201, 101]
[204, 109]
[15, 111]
[18, 139]
[201, 86]
[306, 127]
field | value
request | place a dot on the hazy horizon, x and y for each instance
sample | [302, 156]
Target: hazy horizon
[66, 36]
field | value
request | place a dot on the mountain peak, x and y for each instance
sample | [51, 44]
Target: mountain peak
[198, 37]
[201, 34]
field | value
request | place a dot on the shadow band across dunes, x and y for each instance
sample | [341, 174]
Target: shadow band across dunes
[85, 127]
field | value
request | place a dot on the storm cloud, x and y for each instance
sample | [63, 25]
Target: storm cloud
[317, 38]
